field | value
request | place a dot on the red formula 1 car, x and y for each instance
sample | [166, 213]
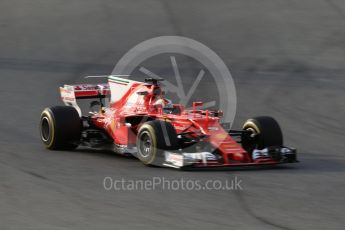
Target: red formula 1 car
[140, 121]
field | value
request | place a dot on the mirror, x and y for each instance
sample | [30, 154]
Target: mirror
[197, 103]
[143, 93]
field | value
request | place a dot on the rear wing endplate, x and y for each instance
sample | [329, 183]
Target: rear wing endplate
[70, 93]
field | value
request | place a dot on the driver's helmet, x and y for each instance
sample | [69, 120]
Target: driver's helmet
[159, 98]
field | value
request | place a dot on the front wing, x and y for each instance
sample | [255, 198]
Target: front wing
[267, 156]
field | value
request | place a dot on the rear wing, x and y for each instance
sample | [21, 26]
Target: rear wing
[70, 93]
[85, 91]
[116, 89]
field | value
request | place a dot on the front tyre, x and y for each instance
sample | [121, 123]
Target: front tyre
[263, 132]
[153, 138]
[60, 128]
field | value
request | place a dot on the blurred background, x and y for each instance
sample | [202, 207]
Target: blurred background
[287, 58]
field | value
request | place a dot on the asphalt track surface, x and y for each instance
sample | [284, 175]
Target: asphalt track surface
[287, 59]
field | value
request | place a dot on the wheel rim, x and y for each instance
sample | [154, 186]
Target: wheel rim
[145, 145]
[45, 129]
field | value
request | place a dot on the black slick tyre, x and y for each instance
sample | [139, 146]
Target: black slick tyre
[60, 128]
[264, 132]
[154, 137]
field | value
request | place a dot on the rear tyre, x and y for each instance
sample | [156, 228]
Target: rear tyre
[60, 128]
[264, 132]
[153, 138]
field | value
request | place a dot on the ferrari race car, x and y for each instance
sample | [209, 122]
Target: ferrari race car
[138, 120]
